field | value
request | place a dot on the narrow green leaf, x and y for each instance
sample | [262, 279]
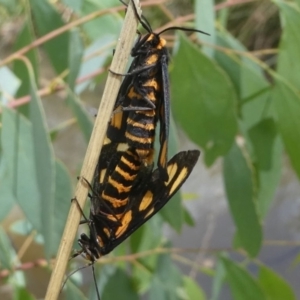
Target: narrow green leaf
[192, 289]
[74, 291]
[9, 4]
[148, 237]
[45, 165]
[242, 284]
[171, 209]
[7, 252]
[208, 116]
[167, 280]
[274, 286]
[218, 281]
[83, 118]
[24, 38]
[47, 19]
[18, 156]
[287, 106]
[9, 84]
[119, 286]
[145, 238]
[249, 80]
[74, 4]
[289, 54]
[75, 57]
[22, 293]
[188, 218]
[6, 163]
[103, 275]
[63, 195]
[242, 200]
[268, 152]
[24, 228]
[6, 188]
[110, 23]
[205, 21]
[92, 62]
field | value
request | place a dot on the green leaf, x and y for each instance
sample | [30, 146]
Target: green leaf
[287, 106]
[242, 284]
[9, 84]
[218, 280]
[119, 286]
[22, 293]
[63, 195]
[6, 188]
[103, 275]
[111, 23]
[75, 57]
[92, 62]
[205, 21]
[172, 212]
[188, 218]
[289, 54]
[268, 152]
[24, 228]
[148, 236]
[9, 4]
[45, 166]
[193, 290]
[208, 116]
[25, 37]
[246, 75]
[83, 118]
[166, 281]
[73, 291]
[242, 200]
[7, 252]
[145, 238]
[74, 4]
[274, 286]
[47, 19]
[18, 157]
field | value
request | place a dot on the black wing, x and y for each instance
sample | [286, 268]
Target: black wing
[164, 115]
[151, 197]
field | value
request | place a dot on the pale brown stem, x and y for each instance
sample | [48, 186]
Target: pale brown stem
[112, 86]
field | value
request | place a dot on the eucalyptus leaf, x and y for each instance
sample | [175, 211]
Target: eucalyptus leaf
[205, 112]
[45, 166]
[47, 19]
[242, 284]
[274, 285]
[240, 190]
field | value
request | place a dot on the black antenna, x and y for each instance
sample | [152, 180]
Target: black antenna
[95, 281]
[146, 25]
[144, 22]
[183, 29]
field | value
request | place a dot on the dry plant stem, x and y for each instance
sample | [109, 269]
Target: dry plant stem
[112, 86]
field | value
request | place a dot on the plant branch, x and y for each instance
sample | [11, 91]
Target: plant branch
[112, 86]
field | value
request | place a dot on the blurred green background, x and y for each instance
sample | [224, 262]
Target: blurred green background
[234, 94]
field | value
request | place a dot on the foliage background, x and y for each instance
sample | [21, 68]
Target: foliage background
[240, 88]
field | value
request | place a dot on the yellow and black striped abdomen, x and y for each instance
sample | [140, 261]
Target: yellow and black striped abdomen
[116, 190]
[141, 124]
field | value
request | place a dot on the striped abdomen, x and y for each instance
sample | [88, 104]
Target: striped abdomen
[114, 197]
[141, 124]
